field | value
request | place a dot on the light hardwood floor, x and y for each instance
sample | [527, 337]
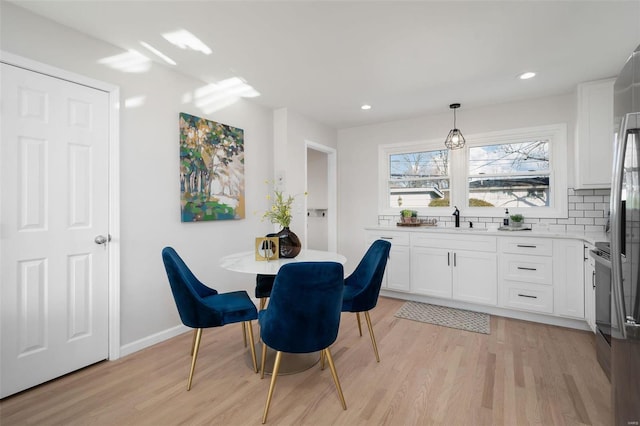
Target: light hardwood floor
[523, 373]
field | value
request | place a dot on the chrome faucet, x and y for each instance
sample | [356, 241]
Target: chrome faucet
[456, 213]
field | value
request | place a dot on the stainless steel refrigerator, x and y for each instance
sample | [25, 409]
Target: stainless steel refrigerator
[625, 246]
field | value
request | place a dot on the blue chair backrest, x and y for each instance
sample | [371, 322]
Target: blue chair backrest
[368, 276]
[187, 291]
[303, 314]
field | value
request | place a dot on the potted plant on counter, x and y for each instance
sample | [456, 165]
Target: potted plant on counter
[406, 215]
[516, 220]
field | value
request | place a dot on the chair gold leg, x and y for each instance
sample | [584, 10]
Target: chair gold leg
[193, 342]
[335, 377]
[359, 325]
[263, 302]
[322, 360]
[373, 338]
[244, 333]
[196, 346]
[274, 376]
[253, 347]
[263, 359]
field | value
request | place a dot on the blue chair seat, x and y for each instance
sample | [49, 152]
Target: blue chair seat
[229, 308]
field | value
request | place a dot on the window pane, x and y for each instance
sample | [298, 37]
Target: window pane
[509, 158]
[510, 191]
[424, 193]
[419, 164]
[419, 179]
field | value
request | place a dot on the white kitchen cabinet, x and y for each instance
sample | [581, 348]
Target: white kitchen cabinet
[568, 278]
[589, 288]
[594, 134]
[431, 272]
[526, 273]
[397, 275]
[443, 267]
[399, 268]
[475, 277]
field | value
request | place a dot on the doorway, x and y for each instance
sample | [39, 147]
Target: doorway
[59, 291]
[321, 201]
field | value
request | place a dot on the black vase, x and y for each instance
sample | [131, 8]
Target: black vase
[289, 243]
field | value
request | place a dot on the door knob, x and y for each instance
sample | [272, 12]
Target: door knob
[101, 239]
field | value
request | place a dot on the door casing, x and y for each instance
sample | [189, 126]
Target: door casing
[332, 192]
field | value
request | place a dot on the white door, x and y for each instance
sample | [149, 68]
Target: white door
[54, 195]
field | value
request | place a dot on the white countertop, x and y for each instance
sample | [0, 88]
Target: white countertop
[590, 237]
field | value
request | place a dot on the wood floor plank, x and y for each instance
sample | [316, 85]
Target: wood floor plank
[522, 373]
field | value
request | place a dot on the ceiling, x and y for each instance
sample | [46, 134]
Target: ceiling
[325, 59]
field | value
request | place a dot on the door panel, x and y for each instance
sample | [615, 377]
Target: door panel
[54, 176]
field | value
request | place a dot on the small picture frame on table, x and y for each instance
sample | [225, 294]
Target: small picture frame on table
[267, 248]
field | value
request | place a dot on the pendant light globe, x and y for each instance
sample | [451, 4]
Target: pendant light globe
[454, 139]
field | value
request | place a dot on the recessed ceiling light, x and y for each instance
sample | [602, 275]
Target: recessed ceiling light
[365, 106]
[527, 75]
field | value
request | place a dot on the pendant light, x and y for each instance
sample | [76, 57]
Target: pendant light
[454, 140]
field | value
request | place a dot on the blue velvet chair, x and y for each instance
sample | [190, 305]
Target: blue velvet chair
[264, 284]
[201, 307]
[362, 287]
[303, 316]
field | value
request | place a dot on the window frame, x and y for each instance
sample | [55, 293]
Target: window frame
[459, 172]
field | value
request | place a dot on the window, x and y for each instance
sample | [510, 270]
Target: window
[419, 179]
[524, 170]
[509, 175]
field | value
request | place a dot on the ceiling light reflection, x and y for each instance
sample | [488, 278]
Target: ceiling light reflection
[158, 53]
[185, 40]
[216, 96]
[527, 75]
[134, 102]
[131, 61]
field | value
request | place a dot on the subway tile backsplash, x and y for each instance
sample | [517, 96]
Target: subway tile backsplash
[588, 212]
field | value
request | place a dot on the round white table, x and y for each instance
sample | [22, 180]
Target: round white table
[246, 262]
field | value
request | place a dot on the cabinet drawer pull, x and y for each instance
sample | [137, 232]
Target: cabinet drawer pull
[386, 238]
[448, 258]
[527, 269]
[526, 295]
[526, 246]
[454, 259]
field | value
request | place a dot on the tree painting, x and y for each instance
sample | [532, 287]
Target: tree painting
[211, 170]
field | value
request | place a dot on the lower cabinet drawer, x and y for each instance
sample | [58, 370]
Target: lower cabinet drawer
[395, 238]
[528, 269]
[527, 296]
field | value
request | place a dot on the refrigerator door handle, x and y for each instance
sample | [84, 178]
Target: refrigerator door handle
[622, 138]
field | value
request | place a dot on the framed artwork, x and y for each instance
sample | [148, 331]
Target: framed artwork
[211, 170]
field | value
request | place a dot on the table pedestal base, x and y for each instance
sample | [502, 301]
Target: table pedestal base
[290, 363]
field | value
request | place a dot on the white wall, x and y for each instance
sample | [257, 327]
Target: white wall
[358, 154]
[149, 163]
[291, 132]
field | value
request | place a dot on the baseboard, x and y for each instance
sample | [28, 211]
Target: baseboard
[161, 336]
[145, 342]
